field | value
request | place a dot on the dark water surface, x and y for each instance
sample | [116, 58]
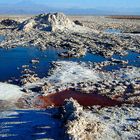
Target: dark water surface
[12, 59]
[133, 59]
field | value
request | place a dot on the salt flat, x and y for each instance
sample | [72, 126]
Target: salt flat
[97, 54]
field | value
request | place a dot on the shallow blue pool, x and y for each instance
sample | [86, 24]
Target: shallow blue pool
[109, 30]
[11, 60]
[133, 59]
[2, 38]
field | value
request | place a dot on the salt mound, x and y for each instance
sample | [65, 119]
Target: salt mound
[47, 22]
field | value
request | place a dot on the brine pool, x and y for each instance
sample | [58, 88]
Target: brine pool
[11, 60]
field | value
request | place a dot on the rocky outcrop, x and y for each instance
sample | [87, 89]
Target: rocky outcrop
[79, 52]
[9, 22]
[77, 22]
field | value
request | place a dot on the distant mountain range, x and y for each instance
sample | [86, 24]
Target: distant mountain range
[30, 7]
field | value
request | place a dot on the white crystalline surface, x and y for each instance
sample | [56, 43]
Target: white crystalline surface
[72, 72]
[9, 92]
[52, 22]
[68, 72]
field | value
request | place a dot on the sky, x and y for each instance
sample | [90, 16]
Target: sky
[94, 3]
[97, 7]
[82, 3]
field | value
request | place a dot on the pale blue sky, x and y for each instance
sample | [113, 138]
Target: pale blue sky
[83, 3]
[94, 3]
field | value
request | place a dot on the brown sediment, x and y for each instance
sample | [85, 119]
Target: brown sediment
[57, 99]
[125, 17]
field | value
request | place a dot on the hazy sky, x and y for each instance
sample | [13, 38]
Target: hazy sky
[83, 3]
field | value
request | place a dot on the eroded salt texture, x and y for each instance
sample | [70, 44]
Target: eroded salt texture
[68, 72]
[108, 123]
[72, 72]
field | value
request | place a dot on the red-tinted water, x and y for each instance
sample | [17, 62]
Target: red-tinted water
[57, 99]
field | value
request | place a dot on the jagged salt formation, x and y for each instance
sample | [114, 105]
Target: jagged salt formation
[109, 123]
[47, 22]
[83, 125]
